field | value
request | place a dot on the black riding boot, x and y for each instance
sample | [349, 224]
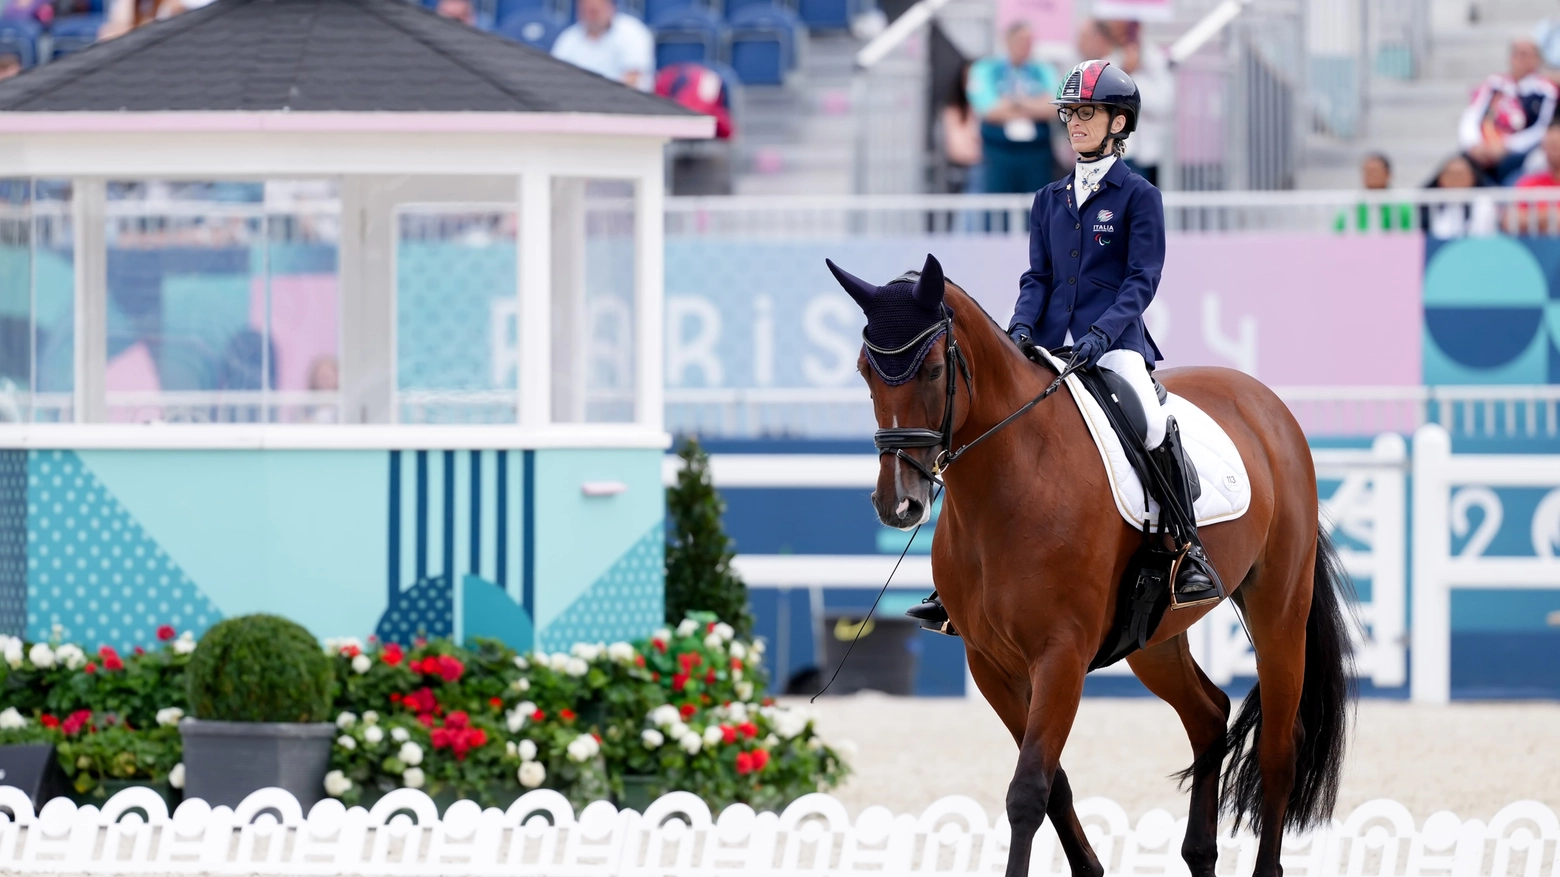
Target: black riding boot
[931, 615]
[1193, 584]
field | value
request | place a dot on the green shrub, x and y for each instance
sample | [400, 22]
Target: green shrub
[260, 668]
[699, 577]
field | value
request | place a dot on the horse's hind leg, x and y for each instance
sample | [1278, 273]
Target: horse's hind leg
[1170, 673]
[1013, 708]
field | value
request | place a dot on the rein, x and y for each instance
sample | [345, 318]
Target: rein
[898, 439]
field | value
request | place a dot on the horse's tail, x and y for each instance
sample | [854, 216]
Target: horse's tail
[1323, 719]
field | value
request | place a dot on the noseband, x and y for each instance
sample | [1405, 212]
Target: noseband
[898, 439]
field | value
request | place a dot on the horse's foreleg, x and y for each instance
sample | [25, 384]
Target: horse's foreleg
[1170, 673]
[1056, 686]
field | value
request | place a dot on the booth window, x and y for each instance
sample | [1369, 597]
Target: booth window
[222, 302]
[457, 315]
[37, 302]
[594, 300]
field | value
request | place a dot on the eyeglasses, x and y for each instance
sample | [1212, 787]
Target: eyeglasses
[1084, 113]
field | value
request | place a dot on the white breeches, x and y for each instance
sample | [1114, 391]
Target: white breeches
[1130, 365]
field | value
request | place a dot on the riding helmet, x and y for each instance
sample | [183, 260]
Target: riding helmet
[1103, 83]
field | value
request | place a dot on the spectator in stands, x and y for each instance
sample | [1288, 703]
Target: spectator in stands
[961, 136]
[41, 11]
[1012, 95]
[10, 64]
[1376, 176]
[1149, 67]
[460, 10]
[609, 43]
[1462, 218]
[1532, 217]
[1509, 114]
[127, 15]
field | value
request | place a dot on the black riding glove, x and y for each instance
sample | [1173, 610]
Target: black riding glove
[1089, 350]
[1020, 334]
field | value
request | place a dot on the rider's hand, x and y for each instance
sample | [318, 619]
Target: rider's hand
[1091, 348]
[1020, 334]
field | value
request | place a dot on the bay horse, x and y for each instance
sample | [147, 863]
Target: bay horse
[1030, 548]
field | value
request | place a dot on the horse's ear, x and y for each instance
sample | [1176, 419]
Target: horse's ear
[860, 290]
[929, 289]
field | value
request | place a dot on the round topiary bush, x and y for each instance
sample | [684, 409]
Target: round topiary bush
[259, 668]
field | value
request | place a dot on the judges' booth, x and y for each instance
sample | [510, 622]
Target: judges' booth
[380, 354]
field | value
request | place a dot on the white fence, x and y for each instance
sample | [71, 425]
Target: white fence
[1447, 487]
[678, 835]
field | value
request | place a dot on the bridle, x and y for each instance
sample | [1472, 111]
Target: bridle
[898, 439]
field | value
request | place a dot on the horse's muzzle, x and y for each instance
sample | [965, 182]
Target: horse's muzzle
[903, 496]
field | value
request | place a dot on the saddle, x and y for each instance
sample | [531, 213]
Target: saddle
[1144, 591]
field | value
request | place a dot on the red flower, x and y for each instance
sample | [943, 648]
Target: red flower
[679, 681]
[748, 729]
[744, 763]
[392, 654]
[567, 714]
[440, 737]
[90, 668]
[48, 721]
[496, 702]
[660, 645]
[477, 736]
[450, 667]
[395, 697]
[538, 716]
[597, 737]
[105, 651]
[710, 677]
[655, 676]
[688, 660]
[639, 660]
[728, 734]
[76, 721]
[112, 662]
[426, 719]
[709, 628]
[736, 663]
[351, 650]
[760, 758]
[460, 746]
[421, 701]
[768, 701]
[166, 632]
[458, 719]
[139, 650]
[687, 710]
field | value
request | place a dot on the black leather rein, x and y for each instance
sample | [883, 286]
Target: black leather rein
[898, 439]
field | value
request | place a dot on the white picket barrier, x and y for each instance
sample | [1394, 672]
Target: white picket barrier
[1446, 487]
[677, 836]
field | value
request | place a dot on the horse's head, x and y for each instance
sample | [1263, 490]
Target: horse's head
[905, 361]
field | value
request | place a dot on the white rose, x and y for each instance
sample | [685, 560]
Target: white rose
[744, 690]
[510, 749]
[522, 663]
[413, 778]
[337, 784]
[738, 711]
[757, 648]
[10, 719]
[176, 776]
[814, 744]
[712, 735]
[736, 675]
[361, 664]
[677, 730]
[583, 748]
[346, 720]
[370, 717]
[738, 650]
[522, 684]
[514, 720]
[691, 743]
[185, 643]
[411, 754]
[652, 738]
[557, 661]
[527, 750]
[14, 653]
[789, 723]
[41, 655]
[725, 630]
[621, 652]
[664, 715]
[687, 627]
[71, 656]
[399, 735]
[585, 651]
[531, 774]
[169, 715]
[373, 735]
[346, 742]
[713, 641]
[526, 706]
[576, 667]
[771, 741]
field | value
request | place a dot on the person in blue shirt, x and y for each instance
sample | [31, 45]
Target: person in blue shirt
[1096, 250]
[1011, 94]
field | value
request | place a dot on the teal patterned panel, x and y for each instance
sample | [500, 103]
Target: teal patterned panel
[627, 601]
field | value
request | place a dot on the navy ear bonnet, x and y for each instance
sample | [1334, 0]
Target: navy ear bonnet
[904, 318]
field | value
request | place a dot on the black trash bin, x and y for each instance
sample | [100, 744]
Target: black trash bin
[884, 658]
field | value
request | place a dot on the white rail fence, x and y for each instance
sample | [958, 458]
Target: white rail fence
[1447, 487]
[540, 834]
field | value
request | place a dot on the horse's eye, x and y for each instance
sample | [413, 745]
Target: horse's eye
[934, 372]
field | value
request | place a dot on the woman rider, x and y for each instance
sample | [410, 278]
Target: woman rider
[1096, 249]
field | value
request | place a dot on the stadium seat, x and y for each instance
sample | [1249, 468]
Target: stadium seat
[825, 14]
[505, 8]
[19, 37]
[687, 34]
[763, 44]
[658, 10]
[735, 7]
[75, 32]
[538, 28]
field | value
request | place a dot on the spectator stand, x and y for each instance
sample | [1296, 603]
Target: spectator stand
[768, 42]
[687, 34]
[73, 33]
[21, 37]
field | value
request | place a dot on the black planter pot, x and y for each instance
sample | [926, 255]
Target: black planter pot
[225, 761]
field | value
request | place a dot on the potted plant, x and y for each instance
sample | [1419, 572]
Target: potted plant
[260, 690]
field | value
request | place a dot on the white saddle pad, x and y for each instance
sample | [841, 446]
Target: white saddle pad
[1226, 492]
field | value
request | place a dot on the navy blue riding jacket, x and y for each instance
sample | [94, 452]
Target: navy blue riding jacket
[1098, 268]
